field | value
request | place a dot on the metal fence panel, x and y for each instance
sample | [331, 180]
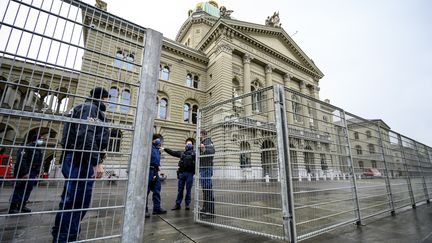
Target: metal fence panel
[397, 171]
[245, 175]
[51, 58]
[410, 153]
[369, 165]
[321, 164]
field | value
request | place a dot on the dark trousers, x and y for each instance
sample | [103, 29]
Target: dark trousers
[23, 189]
[185, 179]
[154, 185]
[207, 187]
[75, 195]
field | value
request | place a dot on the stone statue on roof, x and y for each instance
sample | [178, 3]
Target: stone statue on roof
[101, 5]
[224, 13]
[273, 21]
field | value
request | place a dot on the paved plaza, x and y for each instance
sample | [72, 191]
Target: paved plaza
[178, 226]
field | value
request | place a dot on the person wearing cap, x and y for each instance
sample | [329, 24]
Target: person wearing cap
[84, 150]
[154, 183]
[185, 172]
[28, 165]
[207, 151]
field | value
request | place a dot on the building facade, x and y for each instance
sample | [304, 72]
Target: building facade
[213, 58]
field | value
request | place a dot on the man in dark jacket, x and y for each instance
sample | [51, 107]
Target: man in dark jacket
[27, 166]
[207, 151]
[185, 172]
[154, 184]
[92, 138]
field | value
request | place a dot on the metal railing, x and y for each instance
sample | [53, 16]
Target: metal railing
[55, 125]
[328, 167]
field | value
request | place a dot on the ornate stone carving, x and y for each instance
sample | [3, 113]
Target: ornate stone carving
[224, 48]
[268, 68]
[287, 77]
[317, 88]
[101, 5]
[224, 13]
[247, 58]
[302, 84]
[273, 21]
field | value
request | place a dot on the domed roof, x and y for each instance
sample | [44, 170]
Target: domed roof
[210, 7]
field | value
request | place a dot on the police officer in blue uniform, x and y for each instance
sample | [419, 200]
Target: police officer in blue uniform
[154, 183]
[185, 172]
[207, 151]
[85, 165]
[27, 166]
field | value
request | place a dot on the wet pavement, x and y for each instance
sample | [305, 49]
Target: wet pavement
[409, 225]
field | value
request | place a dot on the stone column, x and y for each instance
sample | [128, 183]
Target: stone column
[247, 83]
[269, 82]
[316, 114]
[288, 103]
[29, 100]
[8, 96]
[305, 112]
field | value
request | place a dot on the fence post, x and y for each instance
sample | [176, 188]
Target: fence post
[413, 203]
[284, 164]
[197, 166]
[133, 224]
[422, 173]
[351, 166]
[387, 178]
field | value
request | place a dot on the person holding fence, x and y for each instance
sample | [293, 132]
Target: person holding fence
[207, 151]
[28, 165]
[85, 145]
[185, 172]
[154, 183]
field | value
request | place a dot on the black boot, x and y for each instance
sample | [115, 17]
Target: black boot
[25, 209]
[176, 207]
[14, 208]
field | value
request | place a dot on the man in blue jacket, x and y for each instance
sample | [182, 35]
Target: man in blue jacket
[85, 144]
[154, 184]
[185, 173]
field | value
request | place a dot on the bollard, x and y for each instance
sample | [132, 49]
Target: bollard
[267, 178]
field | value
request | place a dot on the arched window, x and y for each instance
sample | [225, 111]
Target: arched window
[358, 149]
[368, 134]
[130, 58]
[296, 107]
[189, 80]
[371, 148]
[356, 135]
[115, 140]
[361, 164]
[165, 73]
[163, 107]
[194, 114]
[196, 81]
[118, 61]
[114, 94]
[374, 164]
[324, 165]
[186, 112]
[257, 97]
[125, 101]
[245, 156]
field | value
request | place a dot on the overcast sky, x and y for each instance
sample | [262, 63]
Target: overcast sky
[374, 54]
